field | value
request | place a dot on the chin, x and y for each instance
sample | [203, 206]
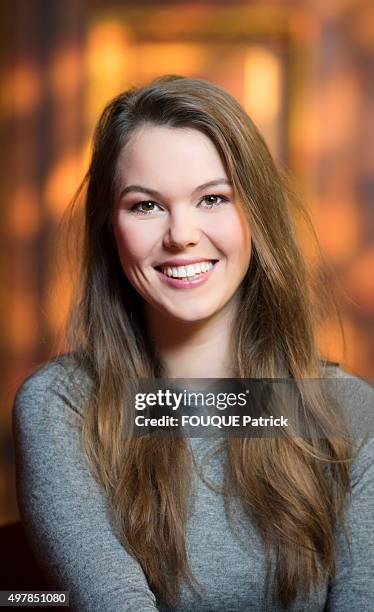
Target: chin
[192, 315]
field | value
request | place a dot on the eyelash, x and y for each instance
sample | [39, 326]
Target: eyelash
[139, 212]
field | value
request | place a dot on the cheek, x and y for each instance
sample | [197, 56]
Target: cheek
[132, 241]
[233, 235]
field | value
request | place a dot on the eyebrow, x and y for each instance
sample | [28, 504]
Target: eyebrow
[157, 194]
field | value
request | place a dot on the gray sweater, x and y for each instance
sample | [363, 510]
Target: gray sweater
[65, 516]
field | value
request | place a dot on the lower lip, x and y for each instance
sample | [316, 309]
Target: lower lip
[184, 283]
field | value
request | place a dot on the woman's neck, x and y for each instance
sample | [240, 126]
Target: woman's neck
[197, 349]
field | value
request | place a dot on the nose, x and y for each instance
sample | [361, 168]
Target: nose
[182, 230]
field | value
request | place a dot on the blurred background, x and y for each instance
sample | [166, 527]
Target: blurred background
[301, 70]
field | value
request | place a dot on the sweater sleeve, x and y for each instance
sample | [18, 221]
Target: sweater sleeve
[353, 587]
[63, 509]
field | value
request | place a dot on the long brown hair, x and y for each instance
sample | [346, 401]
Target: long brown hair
[297, 492]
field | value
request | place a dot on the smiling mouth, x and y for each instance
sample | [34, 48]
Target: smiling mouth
[187, 272]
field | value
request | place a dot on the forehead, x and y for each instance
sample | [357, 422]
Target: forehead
[160, 156]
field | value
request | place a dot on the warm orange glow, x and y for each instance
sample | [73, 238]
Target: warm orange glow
[340, 110]
[66, 72]
[362, 27]
[22, 321]
[262, 84]
[306, 129]
[62, 184]
[152, 60]
[337, 225]
[85, 155]
[360, 282]
[106, 52]
[22, 89]
[23, 213]
[107, 61]
[336, 347]
[262, 92]
[57, 299]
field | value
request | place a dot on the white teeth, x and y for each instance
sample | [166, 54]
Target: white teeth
[188, 271]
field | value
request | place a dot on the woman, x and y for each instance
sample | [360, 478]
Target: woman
[180, 175]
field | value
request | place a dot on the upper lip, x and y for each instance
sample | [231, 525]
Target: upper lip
[184, 262]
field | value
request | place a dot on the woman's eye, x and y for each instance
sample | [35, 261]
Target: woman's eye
[143, 208]
[148, 206]
[212, 200]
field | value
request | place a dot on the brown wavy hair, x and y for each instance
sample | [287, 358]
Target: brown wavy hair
[297, 492]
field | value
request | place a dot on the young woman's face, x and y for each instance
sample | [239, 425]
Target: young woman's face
[174, 207]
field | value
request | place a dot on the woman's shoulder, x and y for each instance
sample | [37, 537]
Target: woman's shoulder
[354, 390]
[60, 382]
[356, 396]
